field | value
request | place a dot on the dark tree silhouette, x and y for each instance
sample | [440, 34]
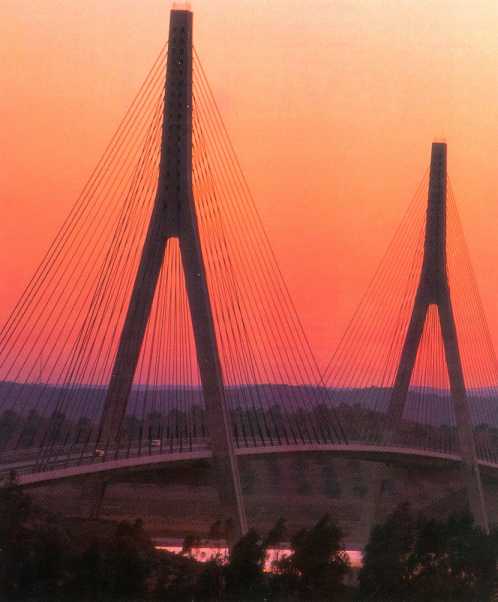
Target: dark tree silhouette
[244, 572]
[427, 559]
[386, 571]
[317, 565]
[15, 511]
[453, 560]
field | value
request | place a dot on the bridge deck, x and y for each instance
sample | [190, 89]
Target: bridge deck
[29, 473]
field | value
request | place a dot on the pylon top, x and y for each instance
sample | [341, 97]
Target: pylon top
[439, 144]
[182, 6]
[434, 266]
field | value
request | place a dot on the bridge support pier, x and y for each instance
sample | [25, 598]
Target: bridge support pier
[174, 216]
[371, 507]
[433, 289]
[93, 493]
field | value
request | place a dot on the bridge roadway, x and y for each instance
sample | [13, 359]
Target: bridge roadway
[81, 464]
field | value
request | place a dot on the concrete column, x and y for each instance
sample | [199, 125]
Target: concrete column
[174, 215]
[433, 289]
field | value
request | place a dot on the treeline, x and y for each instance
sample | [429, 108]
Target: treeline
[43, 557]
[415, 558]
[408, 558]
[251, 427]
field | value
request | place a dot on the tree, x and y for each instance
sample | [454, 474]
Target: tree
[427, 559]
[210, 582]
[9, 424]
[177, 578]
[452, 560]
[243, 577]
[317, 565]
[276, 534]
[15, 510]
[129, 558]
[49, 562]
[35, 549]
[190, 542]
[244, 571]
[42, 559]
[57, 420]
[386, 570]
[90, 576]
[118, 565]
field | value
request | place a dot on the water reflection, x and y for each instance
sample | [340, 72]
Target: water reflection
[206, 553]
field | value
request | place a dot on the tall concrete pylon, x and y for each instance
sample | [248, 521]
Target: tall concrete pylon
[434, 289]
[174, 216]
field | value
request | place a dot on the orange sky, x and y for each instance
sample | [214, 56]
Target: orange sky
[331, 109]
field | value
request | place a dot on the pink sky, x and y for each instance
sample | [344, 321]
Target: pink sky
[332, 109]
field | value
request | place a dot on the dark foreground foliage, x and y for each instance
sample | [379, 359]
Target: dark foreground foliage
[412, 558]
[42, 557]
[408, 558]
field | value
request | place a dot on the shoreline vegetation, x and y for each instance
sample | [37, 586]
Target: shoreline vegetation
[46, 556]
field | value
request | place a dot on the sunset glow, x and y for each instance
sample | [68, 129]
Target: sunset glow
[331, 110]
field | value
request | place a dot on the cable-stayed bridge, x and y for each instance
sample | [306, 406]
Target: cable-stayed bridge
[158, 327]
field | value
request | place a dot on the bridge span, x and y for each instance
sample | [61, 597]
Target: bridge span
[28, 473]
[158, 328]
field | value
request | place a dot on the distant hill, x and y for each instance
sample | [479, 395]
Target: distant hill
[88, 400]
